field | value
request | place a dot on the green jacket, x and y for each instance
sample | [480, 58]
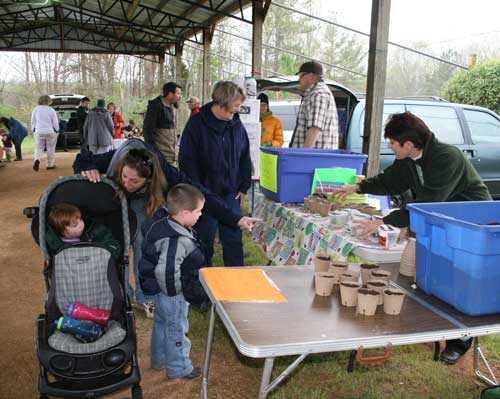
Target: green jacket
[442, 174]
[94, 233]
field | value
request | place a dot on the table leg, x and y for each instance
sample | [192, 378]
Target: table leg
[478, 354]
[266, 377]
[208, 353]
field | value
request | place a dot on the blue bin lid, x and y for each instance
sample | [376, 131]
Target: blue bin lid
[312, 152]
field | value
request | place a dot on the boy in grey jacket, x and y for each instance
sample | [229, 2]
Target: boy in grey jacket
[168, 270]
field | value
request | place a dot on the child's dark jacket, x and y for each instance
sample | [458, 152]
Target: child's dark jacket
[171, 259]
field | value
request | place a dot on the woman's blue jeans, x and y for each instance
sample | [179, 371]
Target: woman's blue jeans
[170, 347]
[137, 205]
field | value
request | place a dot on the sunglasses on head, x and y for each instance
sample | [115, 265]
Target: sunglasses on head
[142, 156]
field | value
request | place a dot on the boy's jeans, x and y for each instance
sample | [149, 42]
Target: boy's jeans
[169, 345]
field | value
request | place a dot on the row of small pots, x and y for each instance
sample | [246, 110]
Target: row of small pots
[366, 299]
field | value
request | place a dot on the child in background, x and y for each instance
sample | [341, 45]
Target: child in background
[171, 259]
[66, 226]
[7, 144]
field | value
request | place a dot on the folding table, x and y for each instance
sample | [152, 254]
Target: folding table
[309, 324]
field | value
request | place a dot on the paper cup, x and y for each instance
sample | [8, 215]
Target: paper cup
[367, 301]
[380, 274]
[321, 262]
[379, 286]
[349, 275]
[337, 268]
[323, 283]
[393, 300]
[324, 207]
[366, 271]
[349, 293]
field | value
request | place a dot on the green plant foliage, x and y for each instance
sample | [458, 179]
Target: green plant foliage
[479, 85]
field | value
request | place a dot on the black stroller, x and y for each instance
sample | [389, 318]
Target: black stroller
[87, 273]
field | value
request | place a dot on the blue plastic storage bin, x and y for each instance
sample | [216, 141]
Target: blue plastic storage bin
[458, 253]
[294, 169]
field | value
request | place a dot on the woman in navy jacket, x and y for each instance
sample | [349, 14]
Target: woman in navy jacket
[215, 152]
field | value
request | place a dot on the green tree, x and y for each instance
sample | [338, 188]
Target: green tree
[348, 51]
[480, 85]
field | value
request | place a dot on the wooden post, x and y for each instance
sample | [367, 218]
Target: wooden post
[161, 70]
[207, 41]
[259, 12]
[178, 62]
[375, 90]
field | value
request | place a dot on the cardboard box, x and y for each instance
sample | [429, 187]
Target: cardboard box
[250, 111]
[254, 131]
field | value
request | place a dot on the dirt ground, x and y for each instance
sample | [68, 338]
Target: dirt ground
[22, 294]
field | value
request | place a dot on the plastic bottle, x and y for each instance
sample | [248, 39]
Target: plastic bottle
[251, 87]
[79, 311]
[85, 330]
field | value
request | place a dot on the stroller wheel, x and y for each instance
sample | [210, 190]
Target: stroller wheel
[136, 392]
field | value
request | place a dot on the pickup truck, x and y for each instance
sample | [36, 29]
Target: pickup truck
[475, 130]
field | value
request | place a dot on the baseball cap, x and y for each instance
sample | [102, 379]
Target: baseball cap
[101, 103]
[311, 67]
[193, 99]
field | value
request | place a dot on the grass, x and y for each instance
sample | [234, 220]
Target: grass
[410, 372]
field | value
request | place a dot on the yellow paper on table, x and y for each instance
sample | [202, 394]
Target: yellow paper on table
[241, 285]
[269, 171]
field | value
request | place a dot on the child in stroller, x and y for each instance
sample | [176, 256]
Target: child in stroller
[88, 272]
[65, 220]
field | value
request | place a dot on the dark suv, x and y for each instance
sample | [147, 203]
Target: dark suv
[66, 106]
[475, 130]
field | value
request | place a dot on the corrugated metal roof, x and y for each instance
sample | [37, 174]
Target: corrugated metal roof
[141, 27]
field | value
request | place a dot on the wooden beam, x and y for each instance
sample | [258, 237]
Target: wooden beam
[179, 47]
[375, 90]
[259, 10]
[161, 70]
[207, 41]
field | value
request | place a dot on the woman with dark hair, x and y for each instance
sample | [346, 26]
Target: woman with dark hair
[144, 175]
[433, 172]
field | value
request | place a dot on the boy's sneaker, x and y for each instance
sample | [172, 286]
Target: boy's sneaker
[36, 165]
[191, 376]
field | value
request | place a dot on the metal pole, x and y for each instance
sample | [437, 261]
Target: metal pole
[208, 353]
[266, 377]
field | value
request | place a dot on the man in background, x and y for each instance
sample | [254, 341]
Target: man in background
[81, 116]
[160, 124]
[317, 120]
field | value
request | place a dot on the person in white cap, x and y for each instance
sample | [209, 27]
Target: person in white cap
[317, 120]
[193, 105]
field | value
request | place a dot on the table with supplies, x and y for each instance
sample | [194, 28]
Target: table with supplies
[289, 235]
[273, 311]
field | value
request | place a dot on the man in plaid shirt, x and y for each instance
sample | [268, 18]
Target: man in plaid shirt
[317, 120]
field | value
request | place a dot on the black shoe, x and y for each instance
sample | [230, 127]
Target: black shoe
[453, 352]
[18, 159]
[51, 167]
[36, 165]
[192, 375]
